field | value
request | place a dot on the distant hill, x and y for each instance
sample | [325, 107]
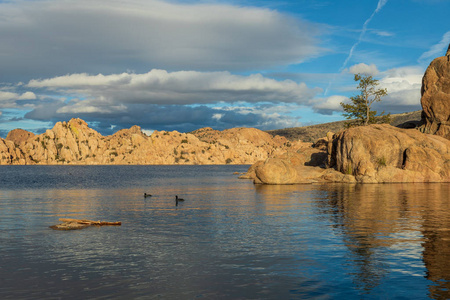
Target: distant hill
[315, 132]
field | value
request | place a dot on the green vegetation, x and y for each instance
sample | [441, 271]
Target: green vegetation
[349, 170]
[184, 141]
[359, 110]
[382, 162]
[228, 161]
[74, 130]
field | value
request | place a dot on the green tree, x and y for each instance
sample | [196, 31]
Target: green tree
[359, 110]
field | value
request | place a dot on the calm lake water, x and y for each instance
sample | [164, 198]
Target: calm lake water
[230, 239]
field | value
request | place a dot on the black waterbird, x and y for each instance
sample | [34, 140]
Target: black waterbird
[178, 199]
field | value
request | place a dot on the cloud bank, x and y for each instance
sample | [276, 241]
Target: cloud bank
[45, 38]
[181, 99]
[182, 87]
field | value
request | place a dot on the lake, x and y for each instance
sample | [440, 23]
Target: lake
[229, 239]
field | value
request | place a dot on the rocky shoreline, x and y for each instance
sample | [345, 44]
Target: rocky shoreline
[376, 153]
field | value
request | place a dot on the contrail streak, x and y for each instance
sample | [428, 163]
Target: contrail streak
[380, 5]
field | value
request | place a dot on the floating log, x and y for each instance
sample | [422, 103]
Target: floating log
[74, 224]
[89, 222]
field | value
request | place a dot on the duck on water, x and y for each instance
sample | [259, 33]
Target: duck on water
[177, 200]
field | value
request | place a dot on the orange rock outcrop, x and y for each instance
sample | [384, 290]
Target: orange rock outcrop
[74, 142]
[436, 97]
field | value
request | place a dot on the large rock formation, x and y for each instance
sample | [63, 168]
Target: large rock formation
[378, 153]
[74, 142]
[436, 97]
[383, 154]
[366, 154]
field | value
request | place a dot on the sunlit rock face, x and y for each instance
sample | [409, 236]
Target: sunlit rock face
[74, 142]
[378, 153]
[383, 154]
[19, 136]
[366, 154]
[302, 166]
[436, 97]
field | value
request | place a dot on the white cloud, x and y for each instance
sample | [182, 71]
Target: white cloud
[436, 50]
[383, 33]
[264, 117]
[27, 96]
[217, 117]
[403, 86]
[8, 99]
[184, 87]
[380, 5]
[328, 105]
[8, 96]
[148, 132]
[362, 68]
[53, 37]
[82, 107]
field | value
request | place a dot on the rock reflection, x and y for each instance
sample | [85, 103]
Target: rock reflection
[379, 217]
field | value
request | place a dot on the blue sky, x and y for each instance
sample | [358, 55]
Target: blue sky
[183, 65]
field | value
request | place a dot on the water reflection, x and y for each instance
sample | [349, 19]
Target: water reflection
[408, 221]
[230, 239]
